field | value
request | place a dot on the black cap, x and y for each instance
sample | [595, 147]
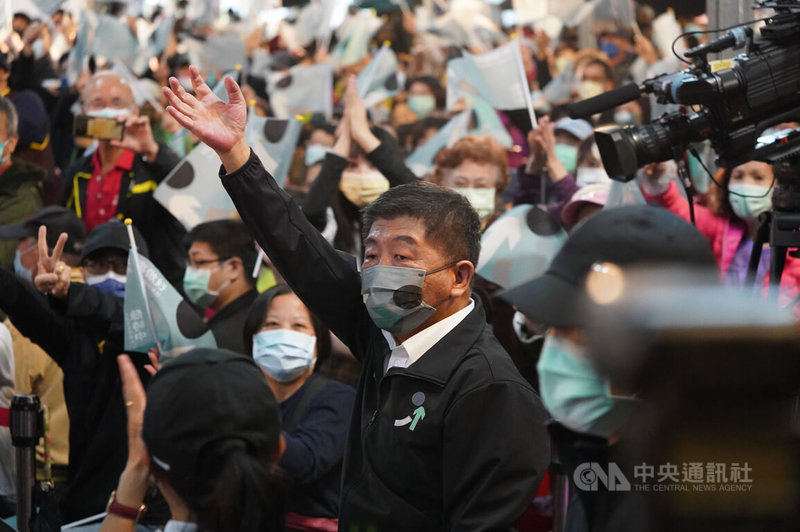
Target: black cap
[114, 235]
[206, 396]
[57, 220]
[625, 236]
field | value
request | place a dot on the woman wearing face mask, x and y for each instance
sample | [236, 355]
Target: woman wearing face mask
[288, 343]
[364, 163]
[730, 222]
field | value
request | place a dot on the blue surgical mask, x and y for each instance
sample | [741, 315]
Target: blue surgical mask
[610, 49]
[285, 355]
[568, 155]
[748, 201]
[195, 286]
[421, 105]
[110, 282]
[21, 270]
[315, 153]
[574, 394]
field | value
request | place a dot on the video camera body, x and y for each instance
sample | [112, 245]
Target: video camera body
[734, 101]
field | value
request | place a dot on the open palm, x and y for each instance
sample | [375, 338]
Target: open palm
[218, 124]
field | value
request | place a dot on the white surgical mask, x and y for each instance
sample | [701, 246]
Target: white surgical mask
[481, 199]
[284, 354]
[591, 176]
[108, 112]
[589, 89]
[315, 153]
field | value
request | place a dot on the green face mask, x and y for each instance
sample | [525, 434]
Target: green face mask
[195, 285]
[421, 105]
[568, 155]
[481, 199]
[748, 201]
[574, 394]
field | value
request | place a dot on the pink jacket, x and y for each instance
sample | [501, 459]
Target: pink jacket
[725, 236]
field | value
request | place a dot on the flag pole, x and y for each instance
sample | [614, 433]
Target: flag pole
[525, 87]
[259, 263]
[134, 255]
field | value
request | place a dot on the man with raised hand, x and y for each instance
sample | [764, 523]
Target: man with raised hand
[445, 434]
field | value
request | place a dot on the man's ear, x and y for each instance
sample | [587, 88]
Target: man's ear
[464, 271]
[237, 266]
[12, 144]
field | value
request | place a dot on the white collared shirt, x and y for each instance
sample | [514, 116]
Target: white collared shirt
[413, 348]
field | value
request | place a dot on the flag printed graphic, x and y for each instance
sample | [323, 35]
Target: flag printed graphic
[304, 89]
[156, 316]
[379, 80]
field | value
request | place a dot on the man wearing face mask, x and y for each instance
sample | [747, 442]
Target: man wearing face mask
[218, 278]
[80, 326]
[364, 163]
[577, 397]
[118, 178]
[445, 433]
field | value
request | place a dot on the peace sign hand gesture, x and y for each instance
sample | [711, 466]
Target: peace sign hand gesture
[218, 124]
[53, 275]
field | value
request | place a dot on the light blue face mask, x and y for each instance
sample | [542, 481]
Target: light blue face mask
[195, 286]
[574, 394]
[748, 201]
[2, 153]
[21, 270]
[421, 105]
[315, 153]
[568, 155]
[285, 355]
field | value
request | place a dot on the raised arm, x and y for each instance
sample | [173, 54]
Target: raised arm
[325, 279]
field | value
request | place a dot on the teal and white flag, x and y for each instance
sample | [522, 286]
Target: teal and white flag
[304, 89]
[274, 141]
[193, 192]
[488, 124]
[379, 80]
[354, 36]
[497, 76]
[156, 316]
[421, 162]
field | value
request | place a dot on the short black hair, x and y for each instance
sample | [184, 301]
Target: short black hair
[258, 312]
[450, 221]
[227, 238]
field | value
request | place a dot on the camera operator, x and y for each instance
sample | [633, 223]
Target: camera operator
[730, 222]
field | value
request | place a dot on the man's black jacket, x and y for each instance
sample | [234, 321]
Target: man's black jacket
[476, 458]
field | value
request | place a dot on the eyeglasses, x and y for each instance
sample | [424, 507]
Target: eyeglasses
[200, 263]
[99, 267]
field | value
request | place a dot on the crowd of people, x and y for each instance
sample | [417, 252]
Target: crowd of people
[396, 349]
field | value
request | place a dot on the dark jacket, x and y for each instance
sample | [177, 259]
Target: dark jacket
[476, 458]
[315, 446]
[83, 334]
[227, 324]
[20, 197]
[162, 232]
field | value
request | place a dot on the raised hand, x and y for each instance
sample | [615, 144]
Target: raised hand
[53, 276]
[218, 124]
[357, 113]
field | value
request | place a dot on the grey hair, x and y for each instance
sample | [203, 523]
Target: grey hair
[12, 120]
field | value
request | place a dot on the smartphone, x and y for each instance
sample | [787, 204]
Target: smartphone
[98, 128]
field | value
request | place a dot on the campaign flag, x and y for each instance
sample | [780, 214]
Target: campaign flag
[160, 37]
[274, 141]
[355, 34]
[422, 160]
[193, 192]
[114, 40]
[528, 11]
[140, 94]
[219, 87]
[222, 53]
[156, 316]
[497, 76]
[519, 246]
[488, 124]
[304, 89]
[80, 47]
[379, 80]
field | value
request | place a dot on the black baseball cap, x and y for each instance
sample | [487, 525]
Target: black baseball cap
[113, 234]
[202, 397]
[57, 220]
[626, 236]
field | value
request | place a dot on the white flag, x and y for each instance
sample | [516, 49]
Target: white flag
[379, 80]
[304, 89]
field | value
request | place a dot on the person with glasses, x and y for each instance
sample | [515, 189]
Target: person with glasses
[218, 278]
[81, 327]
